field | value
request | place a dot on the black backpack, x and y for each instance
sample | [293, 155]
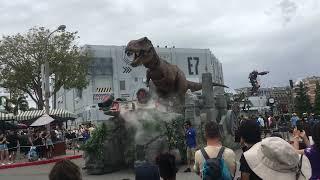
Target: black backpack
[213, 168]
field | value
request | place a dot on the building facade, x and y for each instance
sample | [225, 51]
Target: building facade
[281, 95]
[310, 84]
[110, 72]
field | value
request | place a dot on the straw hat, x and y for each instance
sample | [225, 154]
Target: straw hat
[275, 159]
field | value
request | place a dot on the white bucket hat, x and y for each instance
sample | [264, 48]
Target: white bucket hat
[275, 159]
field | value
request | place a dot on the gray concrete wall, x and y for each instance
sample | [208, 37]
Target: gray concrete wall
[110, 67]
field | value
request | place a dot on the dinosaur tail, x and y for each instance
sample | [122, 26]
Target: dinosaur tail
[194, 86]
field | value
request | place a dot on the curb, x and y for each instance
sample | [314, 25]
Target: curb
[34, 163]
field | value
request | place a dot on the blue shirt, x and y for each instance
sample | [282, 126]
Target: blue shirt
[294, 120]
[191, 138]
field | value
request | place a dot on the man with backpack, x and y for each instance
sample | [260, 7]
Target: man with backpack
[214, 162]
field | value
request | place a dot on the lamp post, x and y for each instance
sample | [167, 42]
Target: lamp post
[46, 72]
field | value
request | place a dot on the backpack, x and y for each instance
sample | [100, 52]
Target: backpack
[215, 168]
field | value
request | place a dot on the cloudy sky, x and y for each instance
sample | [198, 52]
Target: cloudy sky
[281, 36]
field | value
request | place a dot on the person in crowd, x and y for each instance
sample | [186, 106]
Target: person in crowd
[283, 126]
[305, 125]
[86, 135]
[49, 145]
[311, 119]
[146, 171]
[39, 143]
[312, 151]
[59, 133]
[213, 148]
[250, 134]
[65, 170]
[68, 139]
[275, 159]
[53, 136]
[167, 166]
[13, 142]
[24, 142]
[190, 134]
[261, 121]
[91, 128]
[271, 121]
[294, 120]
[3, 148]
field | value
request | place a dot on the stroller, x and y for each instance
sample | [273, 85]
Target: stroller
[32, 154]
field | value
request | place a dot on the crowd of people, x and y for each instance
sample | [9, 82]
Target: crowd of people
[266, 158]
[39, 143]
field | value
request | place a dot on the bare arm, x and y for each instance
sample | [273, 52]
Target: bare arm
[296, 145]
[297, 134]
[196, 166]
[305, 138]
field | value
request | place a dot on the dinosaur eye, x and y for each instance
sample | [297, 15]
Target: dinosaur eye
[128, 53]
[129, 56]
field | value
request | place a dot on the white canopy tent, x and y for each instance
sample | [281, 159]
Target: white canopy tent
[43, 120]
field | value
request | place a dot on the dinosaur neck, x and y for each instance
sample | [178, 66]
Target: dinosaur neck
[154, 63]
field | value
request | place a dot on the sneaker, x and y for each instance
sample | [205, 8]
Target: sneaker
[9, 163]
[187, 170]
[3, 164]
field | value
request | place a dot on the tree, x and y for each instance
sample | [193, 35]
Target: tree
[14, 104]
[302, 101]
[22, 55]
[317, 99]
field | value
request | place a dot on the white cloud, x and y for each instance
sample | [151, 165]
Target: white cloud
[277, 35]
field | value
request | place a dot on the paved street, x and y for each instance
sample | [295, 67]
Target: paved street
[41, 173]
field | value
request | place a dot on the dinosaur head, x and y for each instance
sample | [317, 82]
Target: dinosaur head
[140, 51]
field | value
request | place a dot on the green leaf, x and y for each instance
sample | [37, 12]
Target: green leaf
[21, 57]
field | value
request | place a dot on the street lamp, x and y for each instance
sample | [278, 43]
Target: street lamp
[46, 70]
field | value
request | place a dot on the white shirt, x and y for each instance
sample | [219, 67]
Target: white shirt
[261, 121]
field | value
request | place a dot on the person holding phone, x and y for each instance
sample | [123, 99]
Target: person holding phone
[312, 151]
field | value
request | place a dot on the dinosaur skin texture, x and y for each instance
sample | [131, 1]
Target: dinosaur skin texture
[168, 79]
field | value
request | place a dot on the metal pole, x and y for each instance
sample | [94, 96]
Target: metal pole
[47, 75]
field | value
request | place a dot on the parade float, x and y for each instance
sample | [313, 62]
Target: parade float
[141, 129]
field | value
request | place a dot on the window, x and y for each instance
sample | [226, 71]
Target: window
[122, 85]
[79, 93]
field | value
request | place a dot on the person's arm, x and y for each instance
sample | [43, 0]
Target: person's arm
[230, 157]
[5, 141]
[296, 136]
[196, 166]
[305, 138]
[296, 145]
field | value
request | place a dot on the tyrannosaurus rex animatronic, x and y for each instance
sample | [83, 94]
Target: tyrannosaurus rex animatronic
[168, 79]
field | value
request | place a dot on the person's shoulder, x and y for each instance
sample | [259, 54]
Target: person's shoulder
[309, 150]
[228, 152]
